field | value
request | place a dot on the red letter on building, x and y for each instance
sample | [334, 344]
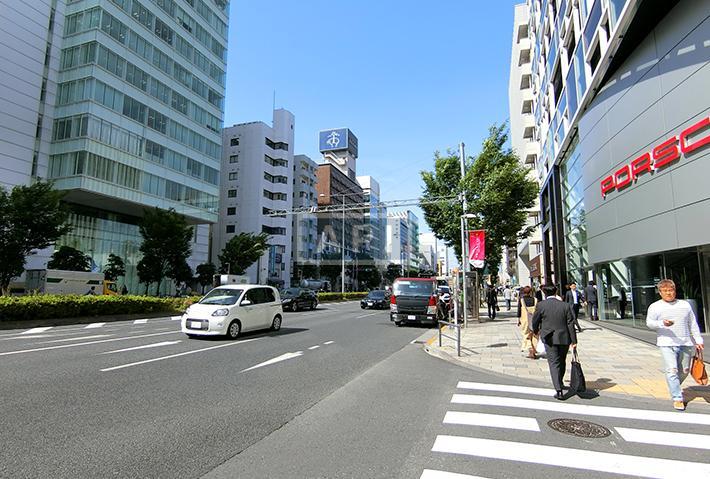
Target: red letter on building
[622, 177]
[641, 164]
[607, 185]
[665, 153]
[684, 147]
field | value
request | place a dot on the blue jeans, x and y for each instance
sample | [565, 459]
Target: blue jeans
[676, 361]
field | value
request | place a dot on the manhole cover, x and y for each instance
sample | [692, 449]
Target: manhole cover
[575, 427]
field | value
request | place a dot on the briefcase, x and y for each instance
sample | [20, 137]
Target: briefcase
[577, 382]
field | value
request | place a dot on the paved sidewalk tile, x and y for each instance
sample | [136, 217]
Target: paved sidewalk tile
[611, 361]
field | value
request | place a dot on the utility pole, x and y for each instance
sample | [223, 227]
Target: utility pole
[464, 253]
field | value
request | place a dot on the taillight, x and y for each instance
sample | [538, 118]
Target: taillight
[393, 299]
[432, 301]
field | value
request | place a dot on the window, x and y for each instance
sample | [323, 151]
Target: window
[234, 142]
[233, 175]
[179, 102]
[134, 109]
[276, 145]
[273, 231]
[142, 15]
[157, 121]
[231, 193]
[231, 211]
[233, 158]
[137, 77]
[114, 28]
[159, 90]
[163, 31]
[230, 228]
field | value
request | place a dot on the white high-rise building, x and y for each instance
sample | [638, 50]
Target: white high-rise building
[132, 93]
[257, 178]
[374, 222]
[305, 225]
[403, 239]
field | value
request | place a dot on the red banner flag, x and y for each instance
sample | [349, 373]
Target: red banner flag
[477, 247]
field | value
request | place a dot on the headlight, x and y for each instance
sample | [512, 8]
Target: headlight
[287, 300]
[221, 312]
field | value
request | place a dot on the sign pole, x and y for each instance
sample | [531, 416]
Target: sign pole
[464, 252]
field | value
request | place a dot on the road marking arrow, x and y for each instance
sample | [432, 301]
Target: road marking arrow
[278, 359]
[145, 346]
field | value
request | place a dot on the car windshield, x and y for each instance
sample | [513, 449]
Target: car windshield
[444, 289]
[224, 297]
[413, 288]
[290, 292]
[376, 294]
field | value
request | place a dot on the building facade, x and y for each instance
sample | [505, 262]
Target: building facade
[621, 108]
[137, 115]
[304, 225]
[374, 221]
[403, 239]
[257, 179]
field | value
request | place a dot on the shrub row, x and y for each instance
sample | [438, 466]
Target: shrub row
[14, 308]
[325, 297]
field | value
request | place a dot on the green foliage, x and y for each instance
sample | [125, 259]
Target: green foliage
[498, 192]
[114, 268]
[392, 272]
[369, 276]
[327, 297]
[17, 308]
[242, 251]
[205, 274]
[31, 217]
[69, 259]
[165, 247]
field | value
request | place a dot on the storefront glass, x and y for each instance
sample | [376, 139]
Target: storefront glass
[573, 212]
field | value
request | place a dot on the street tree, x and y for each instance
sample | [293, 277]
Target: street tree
[69, 259]
[498, 193]
[392, 272]
[205, 274]
[369, 276]
[31, 218]
[180, 272]
[165, 247]
[242, 251]
[115, 268]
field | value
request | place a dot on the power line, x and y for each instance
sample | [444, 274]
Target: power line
[363, 206]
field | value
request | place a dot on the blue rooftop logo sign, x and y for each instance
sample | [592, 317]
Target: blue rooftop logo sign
[338, 139]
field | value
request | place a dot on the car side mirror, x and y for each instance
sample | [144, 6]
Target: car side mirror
[246, 302]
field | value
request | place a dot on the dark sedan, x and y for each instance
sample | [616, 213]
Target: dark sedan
[293, 299]
[376, 299]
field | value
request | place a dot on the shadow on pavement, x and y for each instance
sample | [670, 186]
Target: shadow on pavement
[699, 393]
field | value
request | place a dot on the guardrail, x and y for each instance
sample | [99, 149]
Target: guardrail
[458, 334]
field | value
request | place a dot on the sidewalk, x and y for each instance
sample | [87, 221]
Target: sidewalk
[612, 362]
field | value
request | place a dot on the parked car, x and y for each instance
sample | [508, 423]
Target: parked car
[415, 300]
[230, 309]
[376, 299]
[294, 299]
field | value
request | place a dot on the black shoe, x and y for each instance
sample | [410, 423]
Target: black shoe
[559, 395]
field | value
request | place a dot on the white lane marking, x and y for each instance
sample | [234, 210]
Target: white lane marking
[275, 360]
[572, 458]
[314, 347]
[145, 346]
[662, 438]
[94, 325]
[140, 321]
[604, 411]
[505, 388]
[37, 330]
[175, 318]
[80, 338]
[365, 315]
[37, 336]
[137, 363]
[329, 342]
[87, 343]
[491, 420]
[433, 474]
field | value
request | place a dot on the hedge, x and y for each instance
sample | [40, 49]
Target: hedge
[49, 306]
[326, 297]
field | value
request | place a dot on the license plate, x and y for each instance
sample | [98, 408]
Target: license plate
[196, 324]
[370, 303]
[411, 316]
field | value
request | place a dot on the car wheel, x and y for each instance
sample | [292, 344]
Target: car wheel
[276, 323]
[362, 306]
[314, 305]
[234, 329]
[398, 323]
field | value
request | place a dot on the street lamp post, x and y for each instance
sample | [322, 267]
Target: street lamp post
[464, 253]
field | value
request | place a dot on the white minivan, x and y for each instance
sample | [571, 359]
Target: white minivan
[230, 309]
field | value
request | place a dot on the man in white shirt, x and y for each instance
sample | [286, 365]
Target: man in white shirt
[678, 337]
[507, 296]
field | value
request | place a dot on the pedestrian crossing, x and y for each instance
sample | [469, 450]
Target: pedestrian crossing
[486, 423]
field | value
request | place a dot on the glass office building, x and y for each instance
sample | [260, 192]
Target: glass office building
[138, 119]
[622, 113]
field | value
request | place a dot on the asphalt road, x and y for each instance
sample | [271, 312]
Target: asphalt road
[338, 393]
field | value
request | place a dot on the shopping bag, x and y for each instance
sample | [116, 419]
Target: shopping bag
[577, 382]
[697, 369]
[540, 346]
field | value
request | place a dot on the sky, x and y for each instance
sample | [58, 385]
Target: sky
[407, 77]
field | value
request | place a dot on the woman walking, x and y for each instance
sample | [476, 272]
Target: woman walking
[526, 308]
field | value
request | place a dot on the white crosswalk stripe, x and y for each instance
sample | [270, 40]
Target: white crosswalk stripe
[571, 459]
[94, 325]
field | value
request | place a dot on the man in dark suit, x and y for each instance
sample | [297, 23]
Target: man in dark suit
[554, 322]
[590, 296]
[574, 299]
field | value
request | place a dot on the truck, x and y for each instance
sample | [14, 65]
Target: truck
[57, 281]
